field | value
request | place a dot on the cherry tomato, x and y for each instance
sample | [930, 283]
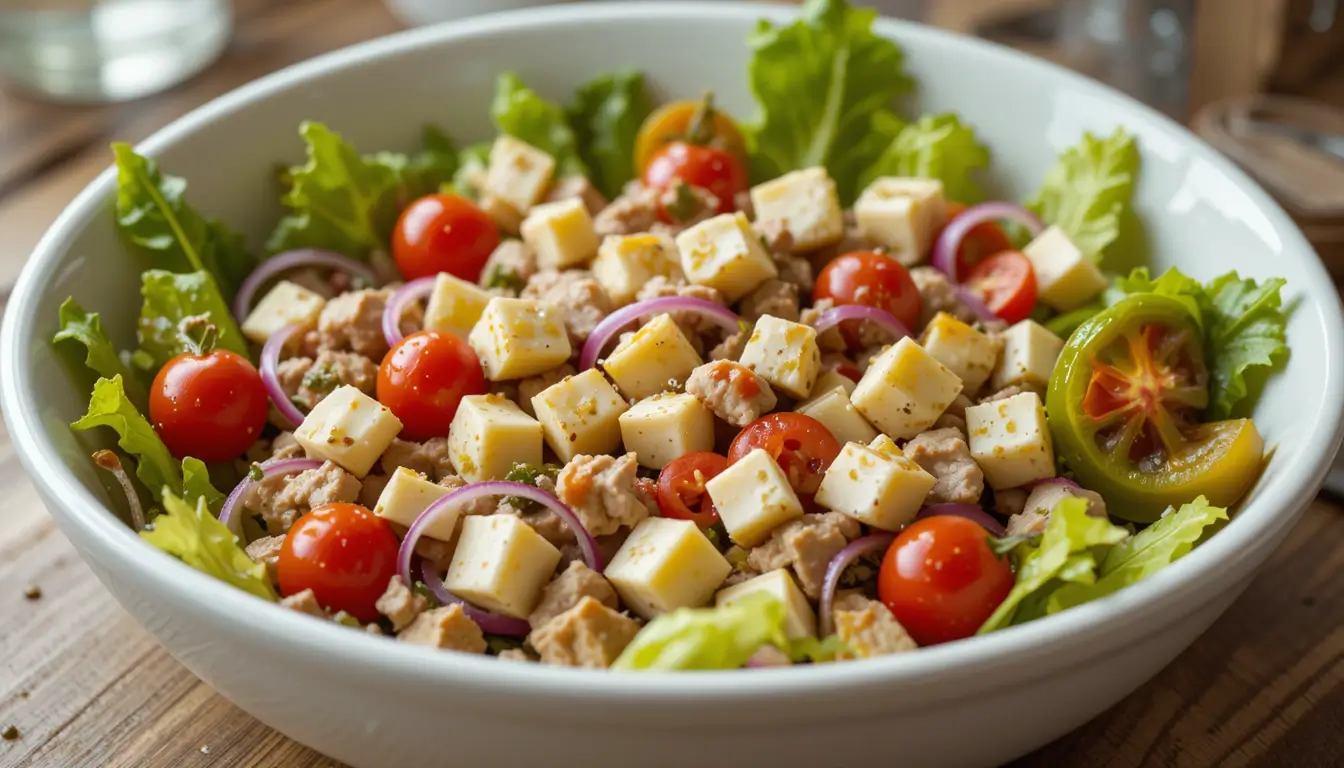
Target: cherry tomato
[673, 122]
[1007, 283]
[424, 378]
[443, 233]
[850, 372]
[802, 446]
[871, 279]
[707, 167]
[210, 406]
[941, 580]
[344, 553]
[681, 488]
[984, 240]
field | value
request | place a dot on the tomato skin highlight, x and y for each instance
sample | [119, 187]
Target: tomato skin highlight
[802, 447]
[984, 240]
[686, 476]
[941, 580]
[443, 233]
[210, 406]
[673, 122]
[873, 280]
[344, 553]
[711, 168]
[1007, 283]
[423, 379]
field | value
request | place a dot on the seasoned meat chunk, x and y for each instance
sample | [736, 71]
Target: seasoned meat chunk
[775, 235]
[867, 628]
[732, 391]
[1010, 501]
[283, 499]
[636, 210]
[354, 322]
[590, 635]
[429, 458]
[510, 265]
[447, 628]
[731, 347]
[773, 297]
[955, 415]
[308, 381]
[603, 493]
[937, 295]
[580, 187]
[581, 298]
[1042, 499]
[700, 330]
[531, 387]
[944, 454]
[399, 604]
[266, 551]
[304, 602]
[566, 590]
[806, 544]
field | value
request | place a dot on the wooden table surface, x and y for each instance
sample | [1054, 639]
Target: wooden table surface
[84, 686]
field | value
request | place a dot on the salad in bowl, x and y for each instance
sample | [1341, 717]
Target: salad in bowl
[641, 386]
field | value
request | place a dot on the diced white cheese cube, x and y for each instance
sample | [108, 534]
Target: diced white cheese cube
[561, 233]
[625, 263]
[1065, 278]
[519, 173]
[905, 390]
[799, 620]
[724, 253]
[830, 379]
[580, 414]
[753, 497]
[501, 564]
[349, 428]
[666, 426]
[657, 358]
[407, 494]
[490, 434]
[666, 564]
[902, 214]
[968, 353]
[785, 354]
[834, 410]
[1028, 357]
[285, 304]
[807, 203]
[877, 487]
[1010, 440]
[517, 338]
[885, 446]
[455, 306]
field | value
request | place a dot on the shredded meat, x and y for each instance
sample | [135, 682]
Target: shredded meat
[581, 298]
[551, 526]
[354, 322]
[1042, 499]
[566, 590]
[732, 391]
[602, 492]
[266, 551]
[636, 210]
[309, 381]
[430, 458]
[512, 261]
[698, 328]
[373, 488]
[590, 635]
[868, 629]
[580, 187]
[944, 454]
[775, 235]
[399, 604]
[937, 296]
[285, 498]
[447, 628]
[531, 387]
[773, 297]
[807, 544]
[305, 602]
[731, 347]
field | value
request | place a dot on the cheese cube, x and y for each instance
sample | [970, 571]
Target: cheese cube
[666, 564]
[455, 306]
[886, 446]
[1028, 357]
[657, 358]
[285, 304]
[799, 620]
[1010, 441]
[517, 338]
[407, 494]
[349, 428]
[1065, 278]
[808, 205]
[902, 214]
[561, 233]
[834, 410]
[666, 426]
[518, 174]
[490, 434]
[830, 379]
[753, 497]
[785, 354]
[501, 564]
[905, 390]
[625, 263]
[579, 414]
[968, 353]
[875, 487]
[724, 253]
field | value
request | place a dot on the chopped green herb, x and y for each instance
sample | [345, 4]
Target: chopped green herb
[501, 277]
[423, 591]
[685, 206]
[255, 473]
[320, 378]
[528, 474]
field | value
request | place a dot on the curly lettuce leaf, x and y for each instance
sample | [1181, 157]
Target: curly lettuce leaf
[86, 328]
[818, 83]
[1172, 283]
[196, 485]
[110, 407]
[193, 535]
[1246, 329]
[519, 112]
[1089, 190]
[935, 147]
[433, 167]
[707, 638]
[605, 118]
[168, 299]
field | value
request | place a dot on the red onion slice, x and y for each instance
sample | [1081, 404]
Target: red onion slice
[976, 304]
[269, 469]
[402, 298]
[284, 262]
[968, 511]
[492, 623]
[880, 317]
[270, 377]
[945, 248]
[612, 324]
[836, 568]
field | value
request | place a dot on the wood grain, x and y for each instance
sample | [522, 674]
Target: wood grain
[86, 687]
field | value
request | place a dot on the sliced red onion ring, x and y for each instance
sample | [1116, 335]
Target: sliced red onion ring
[402, 298]
[837, 315]
[968, 511]
[492, 623]
[270, 377]
[836, 568]
[269, 469]
[975, 303]
[613, 323]
[284, 262]
[945, 249]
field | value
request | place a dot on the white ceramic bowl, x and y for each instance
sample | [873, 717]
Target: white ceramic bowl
[376, 703]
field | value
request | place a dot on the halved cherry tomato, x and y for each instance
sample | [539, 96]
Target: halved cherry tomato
[707, 167]
[676, 121]
[1007, 283]
[344, 553]
[212, 406]
[681, 488]
[984, 240]
[871, 279]
[802, 446]
[850, 372]
[941, 580]
[443, 233]
[424, 378]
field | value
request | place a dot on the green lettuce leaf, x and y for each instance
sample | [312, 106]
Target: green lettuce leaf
[433, 167]
[707, 638]
[194, 536]
[935, 147]
[170, 297]
[196, 485]
[519, 112]
[1246, 329]
[1172, 283]
[1063, 325]
[1089, 189]
[87, 328]
[605, 117]
[110, 407]
[818, 83]
[472, 163]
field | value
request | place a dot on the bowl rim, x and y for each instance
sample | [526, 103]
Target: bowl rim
[1070, 637]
